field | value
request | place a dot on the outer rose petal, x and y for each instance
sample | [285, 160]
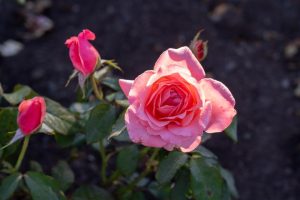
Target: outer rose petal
[31, 114]
[193, 146]
[88, 54]
[181, 57]
[222, 103]
[87, 34]
[139, 89]
[125, 85]
[138, 133]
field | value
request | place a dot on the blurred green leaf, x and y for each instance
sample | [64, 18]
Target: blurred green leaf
[137, 196]
[59, 118]
[231, 131]
[9, 185]
[20, 93]
[99, 124]
[35, 166]
[206, 181]
[159, 191]
[111, 82]
[70, 140]
[182, 183]
[228, 177]
[169, 165]
[43, 187]
[119, 126]
[8, 124]
[91, 192]
[127, 160]
[63, 174]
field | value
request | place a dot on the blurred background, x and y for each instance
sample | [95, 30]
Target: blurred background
[254, 48]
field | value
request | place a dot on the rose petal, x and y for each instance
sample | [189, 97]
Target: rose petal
[125, 85]
[222, 103]
[139, 89]
[88, 54]
[87, 34]
[138, 133]
[193, 145]
[181, 57]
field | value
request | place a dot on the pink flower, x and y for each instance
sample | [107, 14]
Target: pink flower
[31, 115]
[171, 105]
[83, 55]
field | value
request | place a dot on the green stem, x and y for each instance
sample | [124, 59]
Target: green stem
[22, 153]
[146, 171]
[104, 162]
[98, 93]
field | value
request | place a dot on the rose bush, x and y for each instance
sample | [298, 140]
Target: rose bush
[171, 105]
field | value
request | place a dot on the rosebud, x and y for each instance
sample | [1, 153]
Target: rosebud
[83, 55]
[199, 47]
[31, 115]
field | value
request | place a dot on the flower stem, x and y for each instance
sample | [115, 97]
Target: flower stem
[22, 153]
[146, 171]
[98, 93]
[104, 162]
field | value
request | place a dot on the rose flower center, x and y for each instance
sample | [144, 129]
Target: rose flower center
[171, 96]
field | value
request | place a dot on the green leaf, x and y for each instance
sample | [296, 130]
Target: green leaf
[137, 196]
[127, 160]
[159, 191]
[100, 122]
[35, 166]
[119, 126]
[206, 181]
[231, 131]
[63, 174]
[59, 118]
[228, 177]
[8, 124]
[181, 187]
[111, 82]
[42, 186]
[205, 152]
[91, 192]
[70, 140]
[169, 165]
[8, 127]
[9, 185]
[20, 93]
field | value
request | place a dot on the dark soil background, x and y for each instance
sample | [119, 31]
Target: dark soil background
[253, 49]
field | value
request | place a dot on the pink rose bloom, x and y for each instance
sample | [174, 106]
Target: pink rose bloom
[83, 55]
[31, 115]
[173, 104]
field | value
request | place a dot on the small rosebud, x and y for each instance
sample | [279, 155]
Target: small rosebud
[31, 115]
[199, 47]
[82, 53]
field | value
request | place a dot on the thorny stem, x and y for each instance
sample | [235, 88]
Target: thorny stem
[22, 153]
[98, 92]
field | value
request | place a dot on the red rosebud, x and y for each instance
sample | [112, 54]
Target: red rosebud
[83, 55]
[31, 115]
[199, 47]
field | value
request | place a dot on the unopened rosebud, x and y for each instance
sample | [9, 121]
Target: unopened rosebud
[199, 47]
[31, 115]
